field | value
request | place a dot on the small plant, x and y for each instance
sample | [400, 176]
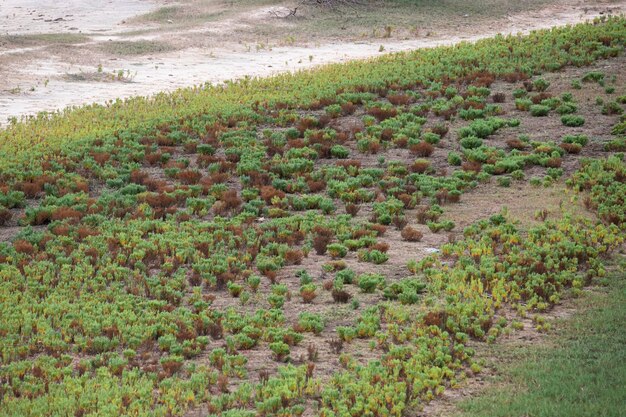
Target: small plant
[340, 295]
[454, 159]
[539, 110]
[337, 250]
[541, 84]
[253, 282]
[234, 289]
[280, 350]
[340, 152]
[369, 282]
[411, 235]
[612, 108]
[308, 292]
[310, 322]
[504, 181]
[571, 120]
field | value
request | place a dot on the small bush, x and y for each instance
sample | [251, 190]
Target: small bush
[539, 110]
[571, 120]
[310, 322]
[541, 84]
[280, 350]
[411, 235]
[422, 149]
[339, 152]
[308, 292]
[504, 181]
[454, 159]
[471, 142]
[337, 250]
[369, 282]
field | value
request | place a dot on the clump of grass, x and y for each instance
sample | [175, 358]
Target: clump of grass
[43, 38]
[143, 47]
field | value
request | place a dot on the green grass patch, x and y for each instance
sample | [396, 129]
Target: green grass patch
[42, 39]
[583, 373]
[125, 48]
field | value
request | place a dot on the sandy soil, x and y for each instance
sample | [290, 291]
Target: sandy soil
[50, 77]
[53, 16]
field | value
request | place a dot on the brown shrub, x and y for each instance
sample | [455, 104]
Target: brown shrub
[23, 246]
[538, 98]
[435, 318]
[64, 213]
[411, 235]
[315, 186]
[515, 76]
[189, 176]
[399, 222]
[308, 295]
[441, 129]
[572, 148]
[378, 228]
[340, 296]
[322, 238]
[100, 157]
[30, 189]
[268, 193]
[230, 199]
[381, 246]
[554, 162]
[306, 123]
[471, 166]
[516, 144]
[399, 99]
[407, 200]
[5, 216]
[422, 149]
[293, 257]
[61, 230]
[419, 167]
[222, 383]
[499, 97]
[138, 176]
[160, 200]
[347, 108]
[346, 163]
[381, 114]
[352, 209]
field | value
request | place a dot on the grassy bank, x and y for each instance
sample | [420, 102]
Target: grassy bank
[579, 371]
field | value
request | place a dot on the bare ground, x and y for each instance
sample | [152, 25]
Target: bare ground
[145, 47]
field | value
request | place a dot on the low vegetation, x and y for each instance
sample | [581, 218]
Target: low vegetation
[227, 250]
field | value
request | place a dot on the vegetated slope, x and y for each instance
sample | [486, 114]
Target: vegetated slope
[200, 261]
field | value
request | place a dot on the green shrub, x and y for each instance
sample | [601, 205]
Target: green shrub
[541, 84]
[539, 110]
[337, 250]
[504, 181]
[346, 276]
[340, 152]
[369, 282]
[454, 159]
[280, 350]
[471, 142]
[582, 140]
[571, 120]
[310, 322]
